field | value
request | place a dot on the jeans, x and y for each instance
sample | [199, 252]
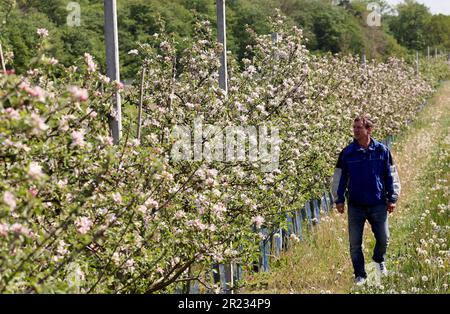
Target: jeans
[378, 219]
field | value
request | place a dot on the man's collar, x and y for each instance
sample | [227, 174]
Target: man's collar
[371, 145]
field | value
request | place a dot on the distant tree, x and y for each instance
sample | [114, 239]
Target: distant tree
[411, 25]
[439, 31]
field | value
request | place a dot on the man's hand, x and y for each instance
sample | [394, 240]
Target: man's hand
[390, 207]
[340, 208]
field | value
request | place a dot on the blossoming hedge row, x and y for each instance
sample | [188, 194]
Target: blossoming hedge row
[78, 214]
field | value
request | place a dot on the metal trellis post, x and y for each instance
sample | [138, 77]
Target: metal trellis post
[112, 64]
[222, 38]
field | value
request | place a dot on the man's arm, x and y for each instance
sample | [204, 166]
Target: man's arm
[392, 181]
[339, 183]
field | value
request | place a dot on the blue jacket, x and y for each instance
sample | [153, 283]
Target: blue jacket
[367, 177]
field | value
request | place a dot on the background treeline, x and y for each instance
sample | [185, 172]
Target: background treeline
[338, 28]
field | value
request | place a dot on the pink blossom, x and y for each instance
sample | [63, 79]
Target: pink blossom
[142, 209]
[83, 224]
[104, 78]
[210, 181]
[42, 32]
[17, 228]
[63, 123]
[197, 224]
[119, 85]
[129, 264]
[12, 113]
[23, 146]
[105, 140]
[80, 94]
[180, 214]
[33, 192]
[218, 209]
[212, 173]
[92, 67]
[38, 124]
[117, 197]
[4, 228]
[116, 258]
[35, 171]
[36, 92]
[258, 220]
[9, 199]
[78, 138]
[135, 142]
[151, 203]
[53, 61]
[166, 176]
[62, 248]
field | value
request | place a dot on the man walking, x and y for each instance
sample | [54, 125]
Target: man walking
[366, 177]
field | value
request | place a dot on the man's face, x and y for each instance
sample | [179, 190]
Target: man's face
[359, 131]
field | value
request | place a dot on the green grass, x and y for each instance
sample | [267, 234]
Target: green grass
[321, 262]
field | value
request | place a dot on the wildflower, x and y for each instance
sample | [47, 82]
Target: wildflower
[294, 238]
[133, 52]
[42, 32]
[424, 278]
[9, 199]
[83, 224]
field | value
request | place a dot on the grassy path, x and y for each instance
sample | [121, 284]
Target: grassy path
[418, 255]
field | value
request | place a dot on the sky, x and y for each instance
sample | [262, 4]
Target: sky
[436, 6]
